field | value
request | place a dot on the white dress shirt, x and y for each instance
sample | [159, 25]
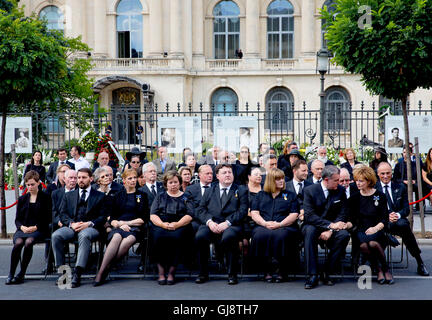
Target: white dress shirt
[80, 163]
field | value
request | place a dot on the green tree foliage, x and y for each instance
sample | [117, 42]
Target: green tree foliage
[40, 69]
[388, 43]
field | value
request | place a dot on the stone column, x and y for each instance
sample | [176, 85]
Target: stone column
[308, 28]
[198, 28]
[252, 28]
[100, 27]
[156, 21]
[176, 28]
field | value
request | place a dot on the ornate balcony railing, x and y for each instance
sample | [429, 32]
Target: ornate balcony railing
[138, 63]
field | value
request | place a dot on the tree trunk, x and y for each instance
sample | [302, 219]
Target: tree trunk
[2, 173]
[408, 162]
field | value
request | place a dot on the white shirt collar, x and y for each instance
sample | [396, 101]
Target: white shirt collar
[228, 188]
[149, 185]
[384, 184]
[325, 190]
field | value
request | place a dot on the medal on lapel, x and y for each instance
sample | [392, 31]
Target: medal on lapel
[285, 196]
[235, 195]
[376, 198]
[138, 198]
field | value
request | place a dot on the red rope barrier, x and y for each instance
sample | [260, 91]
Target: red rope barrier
[25, 191]
[429, 194]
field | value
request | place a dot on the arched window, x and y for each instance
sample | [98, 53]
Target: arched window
[280, 30]
[226, 30]
[280, 105]
[225, 102]
[330, 4]
[337, 109]
[54, 16]
[129, 29]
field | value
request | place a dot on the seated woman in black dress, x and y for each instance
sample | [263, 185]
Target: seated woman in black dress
[171, 215]
[128, 212]
[33, 215]
[36, 164]
[370, 216]
[275, 211]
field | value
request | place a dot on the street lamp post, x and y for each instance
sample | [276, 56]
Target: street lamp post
[323, 66]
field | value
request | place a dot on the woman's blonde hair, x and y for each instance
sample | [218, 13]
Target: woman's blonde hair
[366, 173]
[129, 172]
[270, 181]
[346, 151]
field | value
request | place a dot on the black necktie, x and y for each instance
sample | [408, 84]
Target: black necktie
[389, 199]
[153, 191]
[224, 197]
[83, 196]
[300, 190]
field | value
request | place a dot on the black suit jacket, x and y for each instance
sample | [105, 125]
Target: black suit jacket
[193, 193]
[400, 198]
[400, 171]
[43, 212]
[300, 196]
[96, 208]
[52, 171]
[319, 211]
[57, 198]
[159, 189]
[235, 209]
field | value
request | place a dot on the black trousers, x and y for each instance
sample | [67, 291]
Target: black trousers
[228, 242]
[402, 228]
[336, 245]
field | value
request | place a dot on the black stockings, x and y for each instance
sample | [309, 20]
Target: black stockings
[16, 255]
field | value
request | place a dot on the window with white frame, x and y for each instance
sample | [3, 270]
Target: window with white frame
[129, 29]
[280, 30]
[54, 17]
[226, 30]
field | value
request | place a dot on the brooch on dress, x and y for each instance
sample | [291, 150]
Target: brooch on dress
[138, 198]
[376, 198]
[285, 196]
[236, 195]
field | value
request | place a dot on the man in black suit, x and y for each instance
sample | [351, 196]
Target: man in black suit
[221, 211]
[325, 214]
[195, 192]
[52, 171]
[299, 183]
[152, 187]
[70, 178]
[397, 200]
[104, 160]
[316, 168]
[82, 215]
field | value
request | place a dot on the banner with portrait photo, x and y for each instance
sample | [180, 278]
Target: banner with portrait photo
[232, 133]
[420, 127]
[177, 133]
[18, 132]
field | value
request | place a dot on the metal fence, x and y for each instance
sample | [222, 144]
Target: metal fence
[129, 125]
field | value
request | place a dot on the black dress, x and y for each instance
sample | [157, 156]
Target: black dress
[33, 214]
[169, 247]
[368, 211]
[127, 207]
[39, 169]
[249, 224]
[281, 242]
[426, 187]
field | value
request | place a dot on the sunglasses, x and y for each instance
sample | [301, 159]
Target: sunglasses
[135, 162]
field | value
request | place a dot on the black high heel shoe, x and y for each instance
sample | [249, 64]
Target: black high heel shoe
[9, 280]
[170, 282]
[390, 281]
[268, 278]
[102, 280]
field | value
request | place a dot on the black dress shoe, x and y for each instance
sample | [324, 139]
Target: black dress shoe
[76, 280]
[171, 282]
[18, 279]
[279, 279]
[201, 279]
[162, 282]
[311, 282]
[391, 281]
[9, 280]
[421, 270]
[326, 280]
[232, 280]
[381, 281]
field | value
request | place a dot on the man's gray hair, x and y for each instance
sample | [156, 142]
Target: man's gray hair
[329, 171]
[267, 157]
[146, 166]
[344, 170]
[315, 162]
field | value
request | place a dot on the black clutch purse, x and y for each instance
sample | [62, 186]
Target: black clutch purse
[392, 241]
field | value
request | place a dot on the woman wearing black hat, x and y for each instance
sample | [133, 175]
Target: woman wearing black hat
[134, 159]
[380, 156]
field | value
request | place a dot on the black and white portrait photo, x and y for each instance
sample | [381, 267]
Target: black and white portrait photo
[22, 137]
[168, 137]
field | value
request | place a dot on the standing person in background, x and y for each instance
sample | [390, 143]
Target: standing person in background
[350, 157]
[32, 218]
[62, 159]
[244, 166]
[36, 164]
[77, 160]
[427, 175]
[163, 163]
[104, 160]
[379, 156]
